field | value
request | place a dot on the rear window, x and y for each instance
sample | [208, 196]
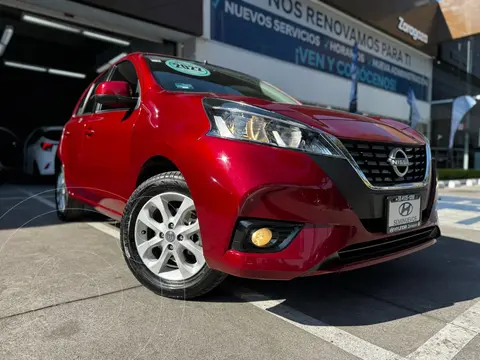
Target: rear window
[53, 134]
[191, 76]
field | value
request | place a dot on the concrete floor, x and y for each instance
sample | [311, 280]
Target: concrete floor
[66, 293]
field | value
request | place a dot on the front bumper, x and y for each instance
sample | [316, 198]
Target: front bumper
[236, 180]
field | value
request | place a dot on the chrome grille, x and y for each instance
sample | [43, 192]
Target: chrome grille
[372, 160]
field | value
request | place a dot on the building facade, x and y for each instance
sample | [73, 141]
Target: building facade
[305, 48]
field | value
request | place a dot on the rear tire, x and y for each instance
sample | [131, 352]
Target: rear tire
[68, 209]
[159, 228]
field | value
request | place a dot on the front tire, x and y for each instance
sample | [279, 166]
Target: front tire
[68, 209]
[161, 241]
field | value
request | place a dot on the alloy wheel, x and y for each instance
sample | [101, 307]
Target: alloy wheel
[167, 237]
[61, 193]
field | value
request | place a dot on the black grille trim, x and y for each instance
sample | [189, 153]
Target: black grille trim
[378, 248]
[371, 158]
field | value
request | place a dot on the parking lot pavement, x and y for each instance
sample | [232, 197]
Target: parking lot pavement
[65, 293]
[460, 207]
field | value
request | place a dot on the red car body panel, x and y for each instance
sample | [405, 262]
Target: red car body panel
[114, 88]
[104, 153]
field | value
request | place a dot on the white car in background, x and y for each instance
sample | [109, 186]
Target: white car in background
[40, 149]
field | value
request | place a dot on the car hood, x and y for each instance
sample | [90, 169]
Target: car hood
[341, 124]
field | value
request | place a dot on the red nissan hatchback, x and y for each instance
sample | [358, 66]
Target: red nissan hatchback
[214, 172]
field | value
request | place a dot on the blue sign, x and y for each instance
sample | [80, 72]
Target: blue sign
[354, 74]
[241, 24]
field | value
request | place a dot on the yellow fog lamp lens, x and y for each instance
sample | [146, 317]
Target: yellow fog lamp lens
[262, 237]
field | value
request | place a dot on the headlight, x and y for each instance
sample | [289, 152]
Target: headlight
[234, 120]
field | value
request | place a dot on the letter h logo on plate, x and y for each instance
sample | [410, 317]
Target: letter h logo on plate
[405, 209]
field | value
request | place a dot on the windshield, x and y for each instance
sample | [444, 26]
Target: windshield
[190, 76]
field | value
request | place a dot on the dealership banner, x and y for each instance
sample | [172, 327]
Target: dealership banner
[293, 31]
[461, 106]
[415, 116]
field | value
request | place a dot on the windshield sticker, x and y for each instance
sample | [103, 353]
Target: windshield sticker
[187, 68]
[184, 86]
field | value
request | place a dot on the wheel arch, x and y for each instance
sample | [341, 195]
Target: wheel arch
[155, 165]
[58, 162]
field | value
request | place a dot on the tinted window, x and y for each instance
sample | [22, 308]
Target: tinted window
[90, 101]
[82, 103]
[190, 76]
[37, 134]
[124, 71]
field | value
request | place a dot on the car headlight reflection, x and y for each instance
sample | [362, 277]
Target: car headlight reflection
[240, 121]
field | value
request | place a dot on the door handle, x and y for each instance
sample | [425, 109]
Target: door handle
[89, 132]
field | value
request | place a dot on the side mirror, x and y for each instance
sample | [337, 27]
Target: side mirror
[117, 94]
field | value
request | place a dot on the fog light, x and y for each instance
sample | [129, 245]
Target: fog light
[262, 237]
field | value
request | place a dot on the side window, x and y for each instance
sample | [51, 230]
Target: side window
[35, 136]
[124, 71]
[90, 103]
[81, 107]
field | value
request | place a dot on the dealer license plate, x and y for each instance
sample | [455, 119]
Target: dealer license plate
[403, 212]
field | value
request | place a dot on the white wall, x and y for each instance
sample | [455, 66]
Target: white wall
[306, 84]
